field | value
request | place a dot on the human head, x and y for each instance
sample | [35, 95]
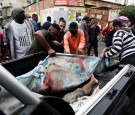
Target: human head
[85, 20]
[61, 18]
[93, 21]
[124, 20]
[110, 25]
[18, 14]
[54, 30]
[117, 24]
[62, 25]
[49, 18]
[35, 17]
[73, 27]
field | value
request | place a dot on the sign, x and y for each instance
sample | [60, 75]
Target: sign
[60, 2]
[73, 2]
[80, 2]
[69, 2]
[71, 14]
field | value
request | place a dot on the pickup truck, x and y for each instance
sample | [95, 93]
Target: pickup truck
[116, 96]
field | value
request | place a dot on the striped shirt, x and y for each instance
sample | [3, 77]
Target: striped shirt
[123, 44]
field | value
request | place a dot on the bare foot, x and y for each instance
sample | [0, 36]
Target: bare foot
[93, 79]
[87, 87]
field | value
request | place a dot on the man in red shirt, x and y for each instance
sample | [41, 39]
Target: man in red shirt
[2, 49]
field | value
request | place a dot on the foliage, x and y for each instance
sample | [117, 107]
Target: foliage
[129, 11]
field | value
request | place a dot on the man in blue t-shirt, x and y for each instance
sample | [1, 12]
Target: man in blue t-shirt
[47, 24]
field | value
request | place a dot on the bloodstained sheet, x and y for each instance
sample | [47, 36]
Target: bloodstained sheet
[60, 73]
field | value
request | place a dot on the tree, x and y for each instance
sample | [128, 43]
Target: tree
[129, 11]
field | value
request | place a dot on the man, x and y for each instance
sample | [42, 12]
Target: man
[2, 49]
[61, 18]
[85, 28]
[58, 43]
[74, 41]
[34, 22]
[47, 24]
[123, 44]
[18, 34]
[94, 31]
[44, 40]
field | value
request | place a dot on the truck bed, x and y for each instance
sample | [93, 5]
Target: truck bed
[110, 102]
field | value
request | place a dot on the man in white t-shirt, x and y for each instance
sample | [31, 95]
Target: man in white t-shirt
[19, 34]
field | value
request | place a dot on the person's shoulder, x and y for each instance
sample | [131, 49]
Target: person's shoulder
[67, 34]
[43, 31]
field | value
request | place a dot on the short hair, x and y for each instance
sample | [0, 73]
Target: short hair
[48, 18]
[64, 21]
[86, 18]
[56, 26]
[117, 23]
[91, 19]
[73, 26]
[61, 18]
[34, 15]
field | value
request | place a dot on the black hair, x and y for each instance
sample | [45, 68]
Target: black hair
[86, 18]
[73, 25]
[34, 15]
[91, 19]
[49, 18]
[117, 23]
[61, 18]
[56, 26]
[64, 21]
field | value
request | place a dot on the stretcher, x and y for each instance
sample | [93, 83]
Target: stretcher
[107, 101]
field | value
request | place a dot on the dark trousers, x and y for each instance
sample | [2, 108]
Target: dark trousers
[129, 60]
[95, 47]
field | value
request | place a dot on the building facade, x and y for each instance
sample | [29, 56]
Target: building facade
[72, 9]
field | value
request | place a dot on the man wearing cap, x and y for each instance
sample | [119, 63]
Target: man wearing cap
[44, 40]
[85, 28]
[74, 40]
[18, 34]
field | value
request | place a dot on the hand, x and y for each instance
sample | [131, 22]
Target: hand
[102, 55]
[62, 42]
[51, 53]
[80, 51]
[107, 49]
[68, 52]
[56, 43]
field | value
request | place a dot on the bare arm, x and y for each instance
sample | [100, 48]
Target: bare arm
[7, 49]
[40, 39]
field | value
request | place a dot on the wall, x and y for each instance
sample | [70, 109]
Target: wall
[113, 14]
[100, 14]
[101, 3]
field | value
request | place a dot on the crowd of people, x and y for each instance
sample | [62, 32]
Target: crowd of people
[23, 36]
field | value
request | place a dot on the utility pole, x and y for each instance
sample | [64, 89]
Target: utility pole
[38, 9]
